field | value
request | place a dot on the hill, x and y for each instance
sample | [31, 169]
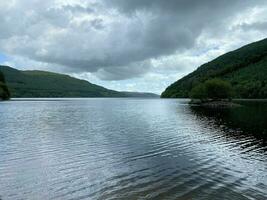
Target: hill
[4, 92]
[245, 68]
[141, 94]
[47, 84]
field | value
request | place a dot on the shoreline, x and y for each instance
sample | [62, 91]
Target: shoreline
[214, 103]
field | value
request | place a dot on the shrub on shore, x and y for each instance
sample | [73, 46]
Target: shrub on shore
[211, 90]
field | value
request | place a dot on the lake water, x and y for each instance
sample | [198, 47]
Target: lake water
[131, 149]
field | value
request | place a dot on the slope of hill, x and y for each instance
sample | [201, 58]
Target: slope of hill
[4, 92]
[48, 84]
[244, 68]
[141, 94]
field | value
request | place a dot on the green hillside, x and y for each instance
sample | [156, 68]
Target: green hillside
[4, 92]
[48, 84]
[244, 68]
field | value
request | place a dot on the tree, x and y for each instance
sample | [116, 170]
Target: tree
[214, 89]
[2, 78]
[218, 89]
[199, 92]
[4, 92]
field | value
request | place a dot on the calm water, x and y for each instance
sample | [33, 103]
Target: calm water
[131, 149]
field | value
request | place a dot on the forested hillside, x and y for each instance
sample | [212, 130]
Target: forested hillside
[48, 84]
[244, 68]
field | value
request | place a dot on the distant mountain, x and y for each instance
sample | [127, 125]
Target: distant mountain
[48, 84]
[4, 92]
[244, 68]
[141, 94]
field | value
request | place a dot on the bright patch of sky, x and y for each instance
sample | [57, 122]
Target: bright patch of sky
[3, 58]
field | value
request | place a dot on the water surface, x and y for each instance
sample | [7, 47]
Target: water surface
[130, 149]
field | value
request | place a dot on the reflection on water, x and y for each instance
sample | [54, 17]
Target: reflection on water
[129, 149]
[248, 119]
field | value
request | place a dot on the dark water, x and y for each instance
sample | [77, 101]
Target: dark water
[131, 149]
[250, 118]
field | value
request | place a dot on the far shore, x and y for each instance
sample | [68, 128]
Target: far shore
[223, 103]
[249, 99]
[58, 98]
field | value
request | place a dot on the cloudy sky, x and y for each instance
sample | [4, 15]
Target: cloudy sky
[134, 45]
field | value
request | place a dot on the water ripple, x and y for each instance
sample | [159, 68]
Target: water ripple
[125, 149]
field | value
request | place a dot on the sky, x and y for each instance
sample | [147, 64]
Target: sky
[126, 45]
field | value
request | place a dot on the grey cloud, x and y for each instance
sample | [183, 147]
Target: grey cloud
[115, 39]
[124, 72]
[259, 26]
[169, 5]
[97, 23]
[77, 9]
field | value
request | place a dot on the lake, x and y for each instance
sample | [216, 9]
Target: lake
[131, 149]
